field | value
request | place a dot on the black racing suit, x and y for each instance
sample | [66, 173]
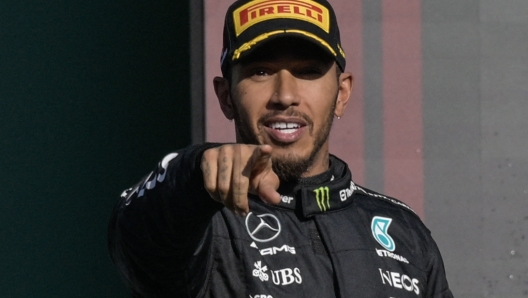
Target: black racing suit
[327, 238]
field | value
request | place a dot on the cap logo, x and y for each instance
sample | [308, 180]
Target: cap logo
[262, 10]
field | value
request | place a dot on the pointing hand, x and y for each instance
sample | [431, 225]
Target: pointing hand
[232, 171]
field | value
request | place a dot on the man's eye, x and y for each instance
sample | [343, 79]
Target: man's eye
[309, 73]
[310, 70]
[260, 72]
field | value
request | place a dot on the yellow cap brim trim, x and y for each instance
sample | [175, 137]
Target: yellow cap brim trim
[248, 45]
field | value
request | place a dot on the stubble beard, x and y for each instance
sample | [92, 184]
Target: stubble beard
[289, 167]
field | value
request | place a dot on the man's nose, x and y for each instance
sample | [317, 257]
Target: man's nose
[286, 90]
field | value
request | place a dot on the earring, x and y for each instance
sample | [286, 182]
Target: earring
[338, 117]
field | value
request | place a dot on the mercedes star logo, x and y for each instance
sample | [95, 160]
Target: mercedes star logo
[263, 228]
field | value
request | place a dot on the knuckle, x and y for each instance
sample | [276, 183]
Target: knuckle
[223, 171]
[209, 154]
[240, 198]
[225, 149]
[223, 191]
[240, 201]
[237, 180]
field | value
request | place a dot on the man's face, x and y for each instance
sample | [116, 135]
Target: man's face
[285, 95]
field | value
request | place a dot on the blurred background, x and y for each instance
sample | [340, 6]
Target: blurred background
[93, 95]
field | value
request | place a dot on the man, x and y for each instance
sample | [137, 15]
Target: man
[274, 215]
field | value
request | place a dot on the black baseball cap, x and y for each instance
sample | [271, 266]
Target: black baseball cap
[251, 23]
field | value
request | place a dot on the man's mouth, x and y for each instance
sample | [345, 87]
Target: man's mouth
[285, 127]
[285, 131]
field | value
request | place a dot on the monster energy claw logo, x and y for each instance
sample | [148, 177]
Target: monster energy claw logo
[322, 195]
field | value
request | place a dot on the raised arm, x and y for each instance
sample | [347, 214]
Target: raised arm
[158, 226]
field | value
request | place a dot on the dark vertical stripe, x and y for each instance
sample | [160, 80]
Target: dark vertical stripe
[402, 101]
[197, 72]
[373, 94]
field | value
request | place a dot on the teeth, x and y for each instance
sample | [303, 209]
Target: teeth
[284, 125]
[293, 125]
[288, 130]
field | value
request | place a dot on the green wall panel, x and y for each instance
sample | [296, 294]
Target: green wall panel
[92, 95]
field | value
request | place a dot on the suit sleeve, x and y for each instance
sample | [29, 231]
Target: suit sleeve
[437, 285]
[156, 225]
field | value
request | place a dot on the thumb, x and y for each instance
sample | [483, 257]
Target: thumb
[267, 189]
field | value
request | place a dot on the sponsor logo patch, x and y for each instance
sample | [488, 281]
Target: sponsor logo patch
[391, 255]
[286, 276]
[346, 193]
[262, 10]
[286, 199]
[152, 179]
[260, 271]
[322, 195]
[263, 228]
[393, 201]
[379, 227]
[400, 281]
[281, 277]
[269, 251]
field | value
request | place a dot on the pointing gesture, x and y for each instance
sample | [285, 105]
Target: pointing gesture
[232, 171]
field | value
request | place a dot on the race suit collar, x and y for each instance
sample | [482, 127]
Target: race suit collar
[323, 193]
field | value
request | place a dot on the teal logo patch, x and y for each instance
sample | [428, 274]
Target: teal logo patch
[379, 226]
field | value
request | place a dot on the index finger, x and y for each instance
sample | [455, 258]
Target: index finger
[261, 158]
[264, 182]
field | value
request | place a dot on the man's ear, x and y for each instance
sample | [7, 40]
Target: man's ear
[346, 82]
[221, 87]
